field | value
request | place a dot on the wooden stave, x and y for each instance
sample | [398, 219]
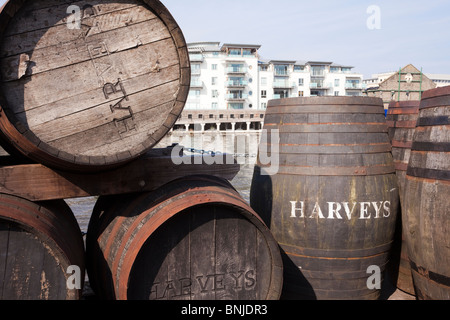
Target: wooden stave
[53, 224]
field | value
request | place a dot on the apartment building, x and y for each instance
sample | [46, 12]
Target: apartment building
[235, 77]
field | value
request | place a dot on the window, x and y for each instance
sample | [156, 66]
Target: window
[336, 93]
[281, 70]
[214, 106]
[335, 69]
[299, 68]
[214, 81]
[300, 82]
[263, 93]
[263, 105]
[214, 66]
[301, 93]
[247, 52]
[264, 81]
[263, 67]
[195, 68]
[235, 52]
[336, 82]
[215, 93]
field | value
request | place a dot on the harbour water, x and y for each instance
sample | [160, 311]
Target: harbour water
[243, 145]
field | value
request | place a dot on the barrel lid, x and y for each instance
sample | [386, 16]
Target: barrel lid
[95, 95]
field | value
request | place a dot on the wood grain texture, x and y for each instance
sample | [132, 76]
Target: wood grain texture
[332, 205]
[92, 96]
[192, 239]
[38, 243]
[37, 182]
[425, 199]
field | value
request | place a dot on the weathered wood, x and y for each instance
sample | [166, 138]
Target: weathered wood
[401, 119]
[426, 198]
[332, 204]
[192, 239]
[38, 242]
[93, 96]
[36, 182]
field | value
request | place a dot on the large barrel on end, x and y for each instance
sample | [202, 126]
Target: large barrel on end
[89, 85]
[193, 239]
[41, 251]
[332, 203]
[401, 119]
[426, 203]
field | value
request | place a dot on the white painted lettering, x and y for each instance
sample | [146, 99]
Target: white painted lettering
[295, 209]
[364, 215]
[387, 209]
[317, 211]
[377, 209]
[332, 211]
[349, 212]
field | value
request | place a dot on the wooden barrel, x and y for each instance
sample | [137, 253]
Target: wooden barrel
[332, 205]
[401, 120]
[194, 238]
[38, 244]
[426, 197]
[89, 85]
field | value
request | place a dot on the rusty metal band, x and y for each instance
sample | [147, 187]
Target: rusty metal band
[336, 253]
[430, 275]
[400, 166]
[402, 124]
[428, 173]
[336, 171]
[402, 144]
[335, 149]
[433, 121]
[325, 109]
[330, 128]
[401, 111]
[431, 146]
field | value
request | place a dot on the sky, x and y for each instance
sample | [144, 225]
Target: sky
[374, 36]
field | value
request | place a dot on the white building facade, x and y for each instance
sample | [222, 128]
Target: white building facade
[234, 77]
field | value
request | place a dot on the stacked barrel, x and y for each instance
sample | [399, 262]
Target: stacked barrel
[426, 201]
[88, 87]
[401, 119]
[84, 88]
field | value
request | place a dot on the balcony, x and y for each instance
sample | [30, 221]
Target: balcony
[196, 84]
[353, 86]
[237, 70]
[319, 85]
[236, 83]
[196, 57]
[281, 73]
[236, 96]
[283, 84]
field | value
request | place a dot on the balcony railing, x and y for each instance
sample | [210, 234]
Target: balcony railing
[196, 84]
[236, 97]
[356, 86]
[237, 70]
[283, 84]
[235, 83]
[196, 57]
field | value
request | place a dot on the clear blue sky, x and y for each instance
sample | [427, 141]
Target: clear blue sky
[411, 31]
